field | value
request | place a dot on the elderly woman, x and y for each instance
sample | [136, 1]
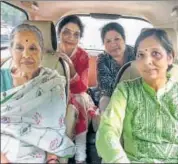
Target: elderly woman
[144, 111]
[33, 104]
[70, 31]
[116, 54]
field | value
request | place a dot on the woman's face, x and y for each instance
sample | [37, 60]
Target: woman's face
[152, 59]
[26, 51]
[114, 44]
[69, 37]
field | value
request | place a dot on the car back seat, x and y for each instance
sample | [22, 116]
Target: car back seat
[92, 72]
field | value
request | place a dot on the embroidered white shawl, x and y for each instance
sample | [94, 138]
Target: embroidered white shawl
[32, 119]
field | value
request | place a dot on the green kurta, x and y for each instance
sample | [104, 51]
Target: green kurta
[147, 121]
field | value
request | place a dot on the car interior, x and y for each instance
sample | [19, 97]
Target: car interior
[134, 15]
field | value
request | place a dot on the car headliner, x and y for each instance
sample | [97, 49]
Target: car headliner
[157, 12]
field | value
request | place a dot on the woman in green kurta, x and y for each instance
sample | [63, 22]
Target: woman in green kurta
[144, 111]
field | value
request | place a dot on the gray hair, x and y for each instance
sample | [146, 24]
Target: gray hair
[27, 27]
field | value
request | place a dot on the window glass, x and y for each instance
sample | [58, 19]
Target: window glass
[92, 39]
[10, 17]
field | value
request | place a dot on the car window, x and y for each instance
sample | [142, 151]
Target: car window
[10, 17]
[92, 40]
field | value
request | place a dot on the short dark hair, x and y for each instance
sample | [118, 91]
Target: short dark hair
[112, 26]
[160, 35]
[71, 19]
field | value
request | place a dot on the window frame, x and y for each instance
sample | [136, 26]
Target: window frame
[18, 8]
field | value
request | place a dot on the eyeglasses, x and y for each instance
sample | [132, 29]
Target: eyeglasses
[69, 33]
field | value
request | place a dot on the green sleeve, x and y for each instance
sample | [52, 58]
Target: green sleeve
[110, 129]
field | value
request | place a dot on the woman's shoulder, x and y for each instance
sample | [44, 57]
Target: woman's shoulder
[5, 71]
[131, 84]
[6, 79]
[103, 57]
[173, 82]
[129, 48]
[130, 52]
[128, 87]
[82, 51]
[81, 56]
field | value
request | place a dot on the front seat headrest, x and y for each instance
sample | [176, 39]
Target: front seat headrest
[49, 33]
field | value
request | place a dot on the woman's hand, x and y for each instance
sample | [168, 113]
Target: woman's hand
[69, 61]
[19, 78]
[4, 159]
[51, 158]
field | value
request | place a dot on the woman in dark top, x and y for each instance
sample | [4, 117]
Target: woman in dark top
[116, 54]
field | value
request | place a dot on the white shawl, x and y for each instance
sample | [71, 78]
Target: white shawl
[32, 119]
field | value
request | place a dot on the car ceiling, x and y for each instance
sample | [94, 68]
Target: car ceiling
[157, 12]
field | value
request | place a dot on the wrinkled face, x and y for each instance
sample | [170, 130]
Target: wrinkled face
[114, 44]
[152, 59]
[69, 37]
[26, 51]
